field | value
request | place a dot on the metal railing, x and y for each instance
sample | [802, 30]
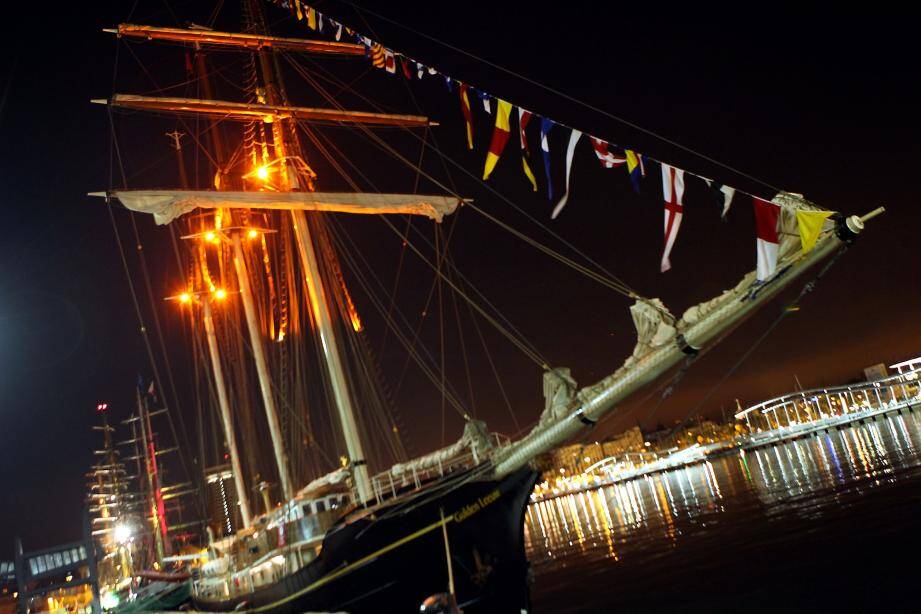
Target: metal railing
[386, 486]
[826, 403]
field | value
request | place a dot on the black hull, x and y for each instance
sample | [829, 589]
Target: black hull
[393, 562]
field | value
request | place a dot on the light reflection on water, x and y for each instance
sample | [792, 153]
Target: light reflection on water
[618, 533]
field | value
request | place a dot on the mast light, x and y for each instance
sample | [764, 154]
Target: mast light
[216, 235]
[189, 296]
[123, 533]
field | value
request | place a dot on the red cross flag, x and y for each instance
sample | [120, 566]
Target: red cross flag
[673, 192]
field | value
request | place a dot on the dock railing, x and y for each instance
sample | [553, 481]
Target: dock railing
[828, 404]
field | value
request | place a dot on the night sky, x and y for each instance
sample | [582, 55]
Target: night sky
[815, 102]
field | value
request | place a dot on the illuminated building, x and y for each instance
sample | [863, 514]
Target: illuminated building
[221, 493]
[576, 457]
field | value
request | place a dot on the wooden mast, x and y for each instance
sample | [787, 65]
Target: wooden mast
[217, 142]
[275, 95]
[154, 494]
[224, 404]
[262, 369]
[278, 114]
[249, 41]
[270, 113]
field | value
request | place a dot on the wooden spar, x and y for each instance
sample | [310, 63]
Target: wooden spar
[220, 387]
[269, 113]
[249, 42]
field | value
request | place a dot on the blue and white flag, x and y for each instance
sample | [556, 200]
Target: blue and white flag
[485, 98]
[545, 125]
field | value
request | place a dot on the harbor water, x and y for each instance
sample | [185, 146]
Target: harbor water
[828, 522]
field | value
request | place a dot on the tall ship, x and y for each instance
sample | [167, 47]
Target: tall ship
[319, 505]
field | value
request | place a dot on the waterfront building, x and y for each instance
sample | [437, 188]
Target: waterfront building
[575, 458]
[701, 432]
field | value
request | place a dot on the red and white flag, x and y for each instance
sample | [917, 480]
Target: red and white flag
[523, 118]
[390, 61]
[767, 218]
[673, 192]
[607, 159]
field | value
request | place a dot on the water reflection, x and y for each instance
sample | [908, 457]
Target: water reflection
[647, 517]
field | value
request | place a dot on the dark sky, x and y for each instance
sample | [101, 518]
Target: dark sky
[817, 102]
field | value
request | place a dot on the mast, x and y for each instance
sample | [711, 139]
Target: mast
[217, 143]
[252, 323]
[262, 369]
[276, 112]
[318, 298]
[224, 404]
[329, 343]
[155, 497]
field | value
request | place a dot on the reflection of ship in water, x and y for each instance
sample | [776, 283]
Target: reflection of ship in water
[802, 481]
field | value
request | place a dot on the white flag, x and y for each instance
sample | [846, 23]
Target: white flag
[570, 151]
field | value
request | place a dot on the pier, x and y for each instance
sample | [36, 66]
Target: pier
[807, 412]
[785, 418]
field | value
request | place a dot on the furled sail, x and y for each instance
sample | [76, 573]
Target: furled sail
[167, 205]
[475, 440]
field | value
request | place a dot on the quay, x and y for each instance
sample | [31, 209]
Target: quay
[796, 415]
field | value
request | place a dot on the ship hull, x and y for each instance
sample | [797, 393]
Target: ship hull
[395, 560]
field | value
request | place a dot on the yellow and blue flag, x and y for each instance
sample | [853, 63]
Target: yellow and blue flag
[636, 168]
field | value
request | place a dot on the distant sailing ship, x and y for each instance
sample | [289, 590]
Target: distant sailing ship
[446, 527]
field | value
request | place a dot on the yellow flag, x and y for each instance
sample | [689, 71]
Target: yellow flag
[297, 7]
[499, 136]
[528, 173]
[311, 18]
[810, 225]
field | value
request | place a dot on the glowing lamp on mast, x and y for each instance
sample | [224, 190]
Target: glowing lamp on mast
[220, 294]
[123, 533]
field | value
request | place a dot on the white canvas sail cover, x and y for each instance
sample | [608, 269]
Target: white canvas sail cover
[475, 439]
[167, 205]
[559, 391]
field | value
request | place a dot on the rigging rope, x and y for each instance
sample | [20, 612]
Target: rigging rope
[322, 148]
[611, 281]
[808, 288]
[557, 92]
[115, 155]
[520, 341]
